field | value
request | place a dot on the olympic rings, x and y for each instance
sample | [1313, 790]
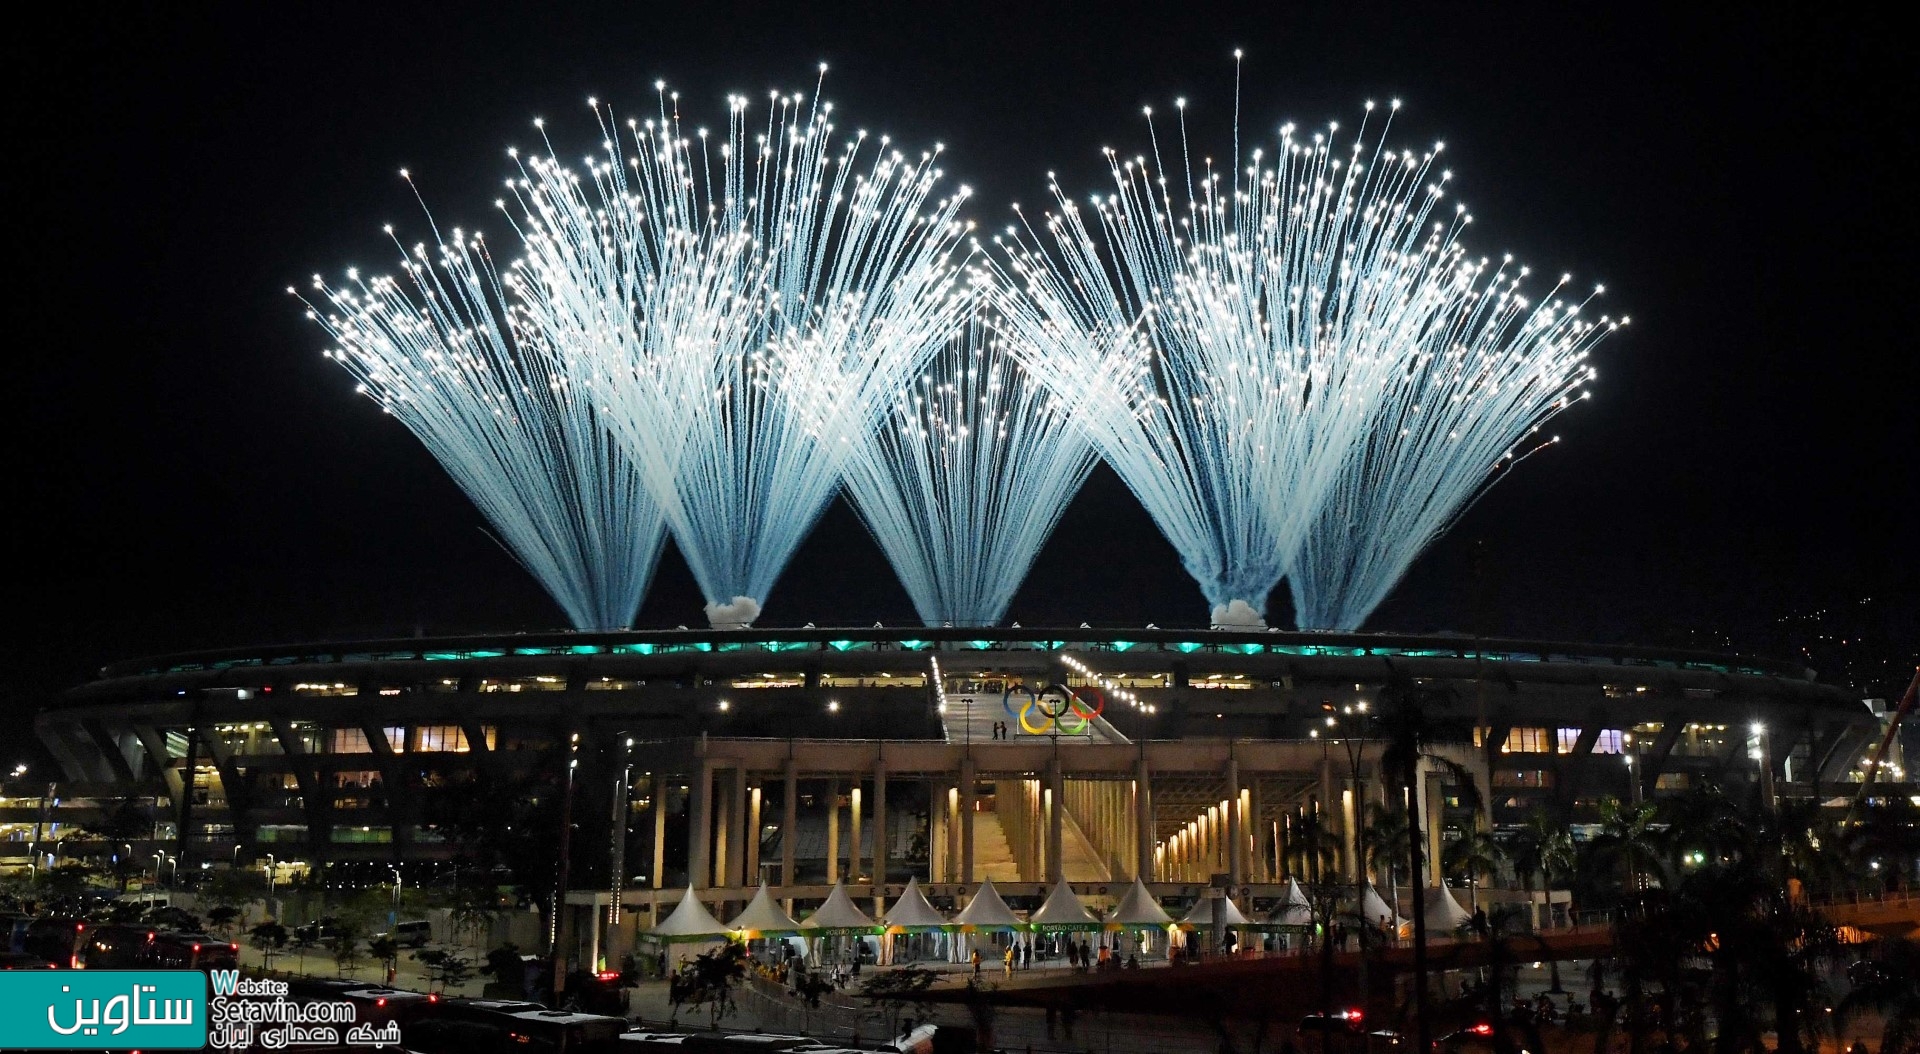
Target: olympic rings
[1068, 714]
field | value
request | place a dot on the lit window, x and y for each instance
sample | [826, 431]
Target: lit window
[1527, 741]
[1610, 741]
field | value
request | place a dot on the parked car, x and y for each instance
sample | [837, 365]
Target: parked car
[317, 930]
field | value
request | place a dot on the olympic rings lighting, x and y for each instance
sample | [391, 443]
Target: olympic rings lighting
[1068, 714]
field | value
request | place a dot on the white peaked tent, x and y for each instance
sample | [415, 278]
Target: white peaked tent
[1200, 916]
[1444, 912]
[986, 911]
[1138, 908]
[764, 918]
[837, 915]
[911, 913]
[1293, 909]
[1374, 909]
[1063, 911]
[689, 921]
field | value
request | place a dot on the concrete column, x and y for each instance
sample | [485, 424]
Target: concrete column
[1329, 805]
[853, 842]
[700, 828]
[1055, 837]
[737, 829]
[1236, 829]
[1432, 807]
[789, 821]
[1143, 823]
[722, 830]
[1261, 869]
[657, 788]
[833, 831]
[968, 781]
[880, 847]
[1350, 820]
[754, 827]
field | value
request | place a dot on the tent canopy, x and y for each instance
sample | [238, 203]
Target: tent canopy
[1138, 908]
[1293, 909]
[1444, 912]
[911, 913]
[1063, 911]
[1374, 909]
[1201, 914]
[763, 916]
[838, 914]
[987, 911]
[689, 921]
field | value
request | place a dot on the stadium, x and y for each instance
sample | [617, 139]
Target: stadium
[803, 757]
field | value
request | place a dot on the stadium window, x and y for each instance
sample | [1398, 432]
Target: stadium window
[350, 741]
[1221, 680]
[441, 685]
[1610, 741]
[361, 778]
[544, 682]
[1565, 740]
[613, 684]
[852, 680]
[317, 688]
[770, 680]
[1527, 741]
[451, 739]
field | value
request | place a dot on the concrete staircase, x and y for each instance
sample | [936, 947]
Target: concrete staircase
[971, 719]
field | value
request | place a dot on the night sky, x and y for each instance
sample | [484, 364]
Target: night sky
[191, 472]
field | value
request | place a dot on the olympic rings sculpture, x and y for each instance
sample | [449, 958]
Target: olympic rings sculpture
[1045, 713]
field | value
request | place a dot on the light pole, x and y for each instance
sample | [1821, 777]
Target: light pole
[273, 911]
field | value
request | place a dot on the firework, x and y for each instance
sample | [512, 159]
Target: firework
[793, 283]
[966, 479]
[1292, 361]
[444, 350]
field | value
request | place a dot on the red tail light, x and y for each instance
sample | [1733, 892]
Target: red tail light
[78, 926]
[382, 1001]
[433, 997]
[196, 949]
[608, 975]
[233, 947]
[1353, 1015]
[1482, 1029]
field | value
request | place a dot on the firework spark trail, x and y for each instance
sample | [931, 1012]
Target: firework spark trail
[1296, 368]
[444, 351]
[966, 479]
[824, 277]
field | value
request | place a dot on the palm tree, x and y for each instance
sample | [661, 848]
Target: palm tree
[1628, 845]
[1890, 987]
[1541, 846]
[1383, 841]
[1469, 856]
[1411, 736]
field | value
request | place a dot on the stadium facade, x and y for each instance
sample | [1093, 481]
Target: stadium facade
[722, 758]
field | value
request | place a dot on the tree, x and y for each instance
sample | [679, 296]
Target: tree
[387, 950]
[222, 918]
[713, 976]
[123, 820]
[1627, 847]
[269, 937]
[982, 1008]
[344, 944]
[1890, 987]
[1412, 737]
[1383, 839]
[1540, 847]
[233, 887]
[473, 904]
[896, 990]
[1469, 856]
[444, 967]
